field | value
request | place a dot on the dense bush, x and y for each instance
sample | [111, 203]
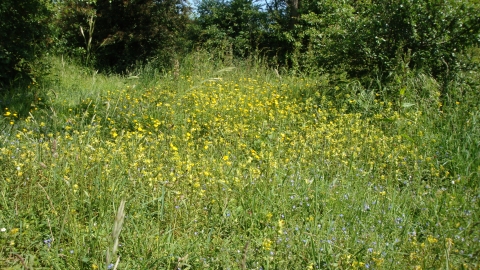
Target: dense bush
[24, 34]
[236, 26]
[364, 37]
[357, 38]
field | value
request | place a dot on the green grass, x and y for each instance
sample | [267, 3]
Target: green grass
[232, 166]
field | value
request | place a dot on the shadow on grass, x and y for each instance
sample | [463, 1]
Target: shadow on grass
[21, 98]
[17, 101]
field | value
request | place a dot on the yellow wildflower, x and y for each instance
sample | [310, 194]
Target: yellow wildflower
[267, 244]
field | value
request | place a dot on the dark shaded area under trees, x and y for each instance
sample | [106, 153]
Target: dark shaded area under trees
[25, 33]
[116, 35]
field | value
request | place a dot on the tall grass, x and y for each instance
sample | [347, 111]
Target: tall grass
[234, 166]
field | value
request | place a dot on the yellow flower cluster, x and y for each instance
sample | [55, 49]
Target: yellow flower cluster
[218, 136]
[195, 137]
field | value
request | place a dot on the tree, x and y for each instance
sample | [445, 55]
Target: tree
[239, 24]
[24, 35]
[362, 37]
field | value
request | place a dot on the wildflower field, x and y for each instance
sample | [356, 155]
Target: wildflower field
[239, 167]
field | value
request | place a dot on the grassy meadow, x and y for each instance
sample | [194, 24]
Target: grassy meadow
[237, 166]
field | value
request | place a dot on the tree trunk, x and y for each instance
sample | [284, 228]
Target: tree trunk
[293, 6]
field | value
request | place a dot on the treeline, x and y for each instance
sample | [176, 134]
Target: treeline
[354, 37]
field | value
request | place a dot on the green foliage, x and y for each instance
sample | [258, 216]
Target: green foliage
[75, 25]
[235, 27]
[24, 35]
[359, 37]
[119, 34]
[368, 37]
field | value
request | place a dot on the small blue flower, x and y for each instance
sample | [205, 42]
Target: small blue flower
[48, 242]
